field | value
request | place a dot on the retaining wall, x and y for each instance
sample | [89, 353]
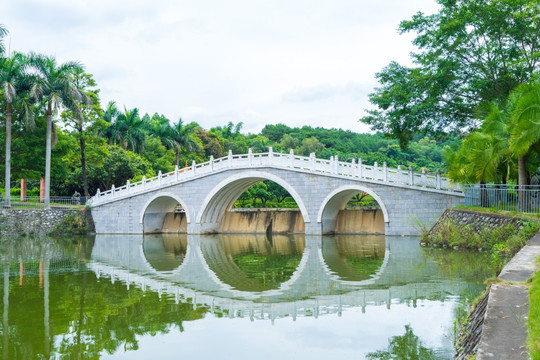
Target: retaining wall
[39, 222]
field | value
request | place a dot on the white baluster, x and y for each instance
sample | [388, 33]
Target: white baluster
[361, 168]
[438, 179]
[291, 158]
[411, 176]
[270, 154]
[250, 157]
[336, 165]
[112, 192]
[385, 172]
[229, 159]
[312, 161]
[128, 185]
[193, 167]
[211, 162]
[159, 177]
[176, 172]
[144, 182]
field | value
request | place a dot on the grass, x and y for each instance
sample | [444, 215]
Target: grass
[493, 210]
[533, 321]
[501, 242]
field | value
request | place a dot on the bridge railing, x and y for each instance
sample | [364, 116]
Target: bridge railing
[354, 169]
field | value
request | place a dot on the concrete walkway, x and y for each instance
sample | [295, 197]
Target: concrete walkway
[504, 335]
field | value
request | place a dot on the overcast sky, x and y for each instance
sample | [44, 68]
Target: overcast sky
[296, 62]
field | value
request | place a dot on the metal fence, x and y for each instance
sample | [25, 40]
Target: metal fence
[37, 202]
[508, 197]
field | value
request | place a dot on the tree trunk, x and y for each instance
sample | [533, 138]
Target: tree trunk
[47, 204]
[7, 187]
[83, 165]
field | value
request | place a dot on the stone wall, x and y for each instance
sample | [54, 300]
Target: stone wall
[476, 220]
[40, 222]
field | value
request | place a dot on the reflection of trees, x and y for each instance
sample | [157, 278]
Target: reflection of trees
[467, 265]
[405, 347]
[84, 315]
[269, 271]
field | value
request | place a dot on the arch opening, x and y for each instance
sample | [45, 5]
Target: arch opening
[247, 203]
[353, 209]
[165, 252]
[253, 263]
[164, 213]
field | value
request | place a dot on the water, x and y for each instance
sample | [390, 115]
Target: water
[233, 297]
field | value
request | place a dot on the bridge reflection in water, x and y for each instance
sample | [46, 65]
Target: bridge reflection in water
[264, 277]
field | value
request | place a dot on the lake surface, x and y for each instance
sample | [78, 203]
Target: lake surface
[233, 297]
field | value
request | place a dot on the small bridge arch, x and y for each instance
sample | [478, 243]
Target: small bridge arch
[154, 211]
[223, 196]
[338, 199]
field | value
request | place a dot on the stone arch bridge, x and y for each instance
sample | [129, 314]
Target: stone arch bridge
[320, 188]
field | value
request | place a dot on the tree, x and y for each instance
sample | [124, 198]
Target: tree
[525, 121]
[3, 33]
[13, 81]
[470, 52]
[126, 129]
[183, 136]
[90, 119]
[55, 87]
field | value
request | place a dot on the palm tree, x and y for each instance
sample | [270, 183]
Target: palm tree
[183, 137]
[3, 33]
[525, 124]
[55, 87]
[12, 81]
[126, 129]
[524, 132]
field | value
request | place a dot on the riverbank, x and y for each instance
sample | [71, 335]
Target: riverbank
[496, 327]
[39, 222]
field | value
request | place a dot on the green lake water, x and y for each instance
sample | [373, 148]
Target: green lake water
[233, 297]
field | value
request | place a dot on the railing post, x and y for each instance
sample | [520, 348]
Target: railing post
[361, 167]
[353, 168]
[250, 157]
[193, 167]
[229, 159]
[176, 172]
[98, 193]
[424, 176]
[270, 154]
[438, 179]
[159, 177]
[385, 172]
[144, 182]
[336, 164]
[128, 186]
[312, 161]
[411, 176]
[112, 192]
[291, 158]
[211, 162]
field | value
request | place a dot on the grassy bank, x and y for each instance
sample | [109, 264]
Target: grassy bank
[533, 320]
[501, 242]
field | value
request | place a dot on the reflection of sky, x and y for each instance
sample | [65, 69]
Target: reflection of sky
[350, 336]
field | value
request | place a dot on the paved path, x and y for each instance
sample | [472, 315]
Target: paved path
[505, 327]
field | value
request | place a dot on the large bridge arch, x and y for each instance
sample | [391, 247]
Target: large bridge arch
[336, 201]
[156, 208]
[222, 197]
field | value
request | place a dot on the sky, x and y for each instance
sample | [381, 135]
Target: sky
[295, 62]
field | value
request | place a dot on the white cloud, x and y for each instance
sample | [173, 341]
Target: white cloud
[298, 62]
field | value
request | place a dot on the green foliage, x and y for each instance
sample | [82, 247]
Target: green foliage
[533, 319]
[470, 52]
[407, 346]
[73, 224]
[501, 242]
